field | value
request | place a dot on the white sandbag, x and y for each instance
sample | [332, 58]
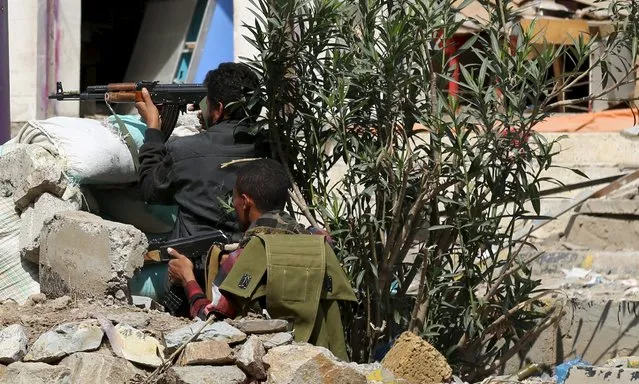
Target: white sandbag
[18, 278]
[92, 151]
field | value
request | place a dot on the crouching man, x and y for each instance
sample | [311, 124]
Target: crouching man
[279, 266]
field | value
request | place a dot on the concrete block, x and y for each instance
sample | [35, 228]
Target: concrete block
[610, 207]
[33, 219]
[596, 331]
[601, 375]
[604, 233]
[28, 172]
[86, 256]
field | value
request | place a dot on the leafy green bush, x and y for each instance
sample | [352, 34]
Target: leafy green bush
[416, 186]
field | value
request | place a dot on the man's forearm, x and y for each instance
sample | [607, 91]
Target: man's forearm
[197, 300]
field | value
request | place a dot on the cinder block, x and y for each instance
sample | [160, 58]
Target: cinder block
[82, 255]
[33, 219]
[604, 233]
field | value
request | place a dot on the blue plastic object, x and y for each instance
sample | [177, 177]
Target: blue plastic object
[561, 370]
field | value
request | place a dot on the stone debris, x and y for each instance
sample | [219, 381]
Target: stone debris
[602, 375]
[13, 344]
[209, 352]
[64, 340]
[261, 326]
[375, 373]
[249, 358]
[413, 359]
[32, 221]
[66, 266]
[136, 346]
[304, 363]
[221, 331]
[99, 368]
[38, 298]
[30, 171]
[276, 340]
[36, 373]
[204, 375]
[134, 319]
[61, 303]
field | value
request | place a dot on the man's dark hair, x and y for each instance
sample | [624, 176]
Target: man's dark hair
[264, 181]
[229, 84]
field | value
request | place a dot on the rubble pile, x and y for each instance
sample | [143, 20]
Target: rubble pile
[90, 342]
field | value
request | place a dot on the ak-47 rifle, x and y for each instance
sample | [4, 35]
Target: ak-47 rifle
[171, 99]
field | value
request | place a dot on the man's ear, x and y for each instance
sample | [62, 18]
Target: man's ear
[247, 201]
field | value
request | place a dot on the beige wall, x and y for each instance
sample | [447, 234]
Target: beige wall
[37, 35]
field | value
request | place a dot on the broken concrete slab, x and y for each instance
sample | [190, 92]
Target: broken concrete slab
[220, 330]
[249, 358]
[210, 352]
[28, 172]
[251, 326]
[99, 368]
[612, 207]
[601, 375]
[13, 344]
[87, 256]
[275, 340]
[604, 233]
[33, 218]
[376, 373]
[64, 340]
[595, 331]
[413, 359]
[136, 346]
[202, 374]
[35, 373]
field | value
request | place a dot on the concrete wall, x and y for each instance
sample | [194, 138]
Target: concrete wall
[44, 44]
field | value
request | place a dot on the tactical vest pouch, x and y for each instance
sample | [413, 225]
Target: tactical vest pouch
[296, 266]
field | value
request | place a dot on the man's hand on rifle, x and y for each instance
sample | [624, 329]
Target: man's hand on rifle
[180, 268]
[148, 110]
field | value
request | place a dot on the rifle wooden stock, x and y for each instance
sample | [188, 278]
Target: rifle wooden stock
[123, 97]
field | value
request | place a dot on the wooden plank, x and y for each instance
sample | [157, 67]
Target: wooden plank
[557, 31]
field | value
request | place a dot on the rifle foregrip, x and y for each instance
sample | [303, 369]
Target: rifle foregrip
[123, 97]
[116, 87]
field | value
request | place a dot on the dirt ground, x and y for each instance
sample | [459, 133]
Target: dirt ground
[37, 318]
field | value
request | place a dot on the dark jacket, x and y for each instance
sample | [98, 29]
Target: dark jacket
[186, 171]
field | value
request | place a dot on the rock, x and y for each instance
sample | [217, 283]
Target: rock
[250, 356]
[305, 363]
[376, 373]
[13, 344]
[31, 171]
[99, 368]
[601, 375]
[146, 303]
[415, 360]
[120, 295]
[217, 331]
[60, 303]
[210, 352]
[205, 375]
[64, 340]
[81, 253]
[272, 341]
[33, 218]
[36, 373]
[134, 319]
[38, 298]
[261, 326]
[136, 346]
